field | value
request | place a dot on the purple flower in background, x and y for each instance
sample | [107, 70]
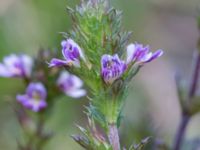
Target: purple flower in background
[71, 85]
[72, 54]
[112, 68]
[140, 54]
[34, 98]
[16, 66]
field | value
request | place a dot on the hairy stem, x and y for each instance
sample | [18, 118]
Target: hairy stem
[185, 117]
[113, 137]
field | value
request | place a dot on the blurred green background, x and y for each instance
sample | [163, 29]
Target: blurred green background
[152, 107]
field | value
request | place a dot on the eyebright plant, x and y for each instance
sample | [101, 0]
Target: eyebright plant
[97, 63]
[97, 51]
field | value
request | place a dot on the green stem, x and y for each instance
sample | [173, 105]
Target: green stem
[112, 115]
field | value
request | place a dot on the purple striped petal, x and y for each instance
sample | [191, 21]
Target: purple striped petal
[155, 55]
[57, 62]
[141, 54]
[112, 68]
[71, 53]
[70, 49]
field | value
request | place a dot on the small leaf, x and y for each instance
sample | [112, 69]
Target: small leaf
[84, 142]
[83, 130]
[141, 145]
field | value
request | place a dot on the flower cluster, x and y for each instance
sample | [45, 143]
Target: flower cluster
[112, 67]
[42, 88]
[35, 97]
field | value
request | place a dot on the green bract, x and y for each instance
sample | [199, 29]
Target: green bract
[97, 30]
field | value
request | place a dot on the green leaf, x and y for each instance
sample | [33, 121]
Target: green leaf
[82, 141]
[96, 115]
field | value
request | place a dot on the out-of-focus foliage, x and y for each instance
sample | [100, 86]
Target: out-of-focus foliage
[27, 25]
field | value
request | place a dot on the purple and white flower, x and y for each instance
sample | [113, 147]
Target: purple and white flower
[16, 66]
[71, 53]
[139, 54]
[71, 85]
[112, 68]
[34, 98]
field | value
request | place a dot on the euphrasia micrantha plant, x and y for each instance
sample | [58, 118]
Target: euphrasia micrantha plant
[97, 50]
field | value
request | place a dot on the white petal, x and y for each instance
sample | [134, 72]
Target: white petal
[35, 107]
[76, 93]
[28, 64]
[63, 77]
[76, 63]
[146, 57]
[63, 43]
[3, 71]
[131, 49]
[77, 82]
[10, 60]
[71, 41]
[116, 57]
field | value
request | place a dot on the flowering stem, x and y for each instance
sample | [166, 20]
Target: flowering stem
[37, 138]
[185, 117]
[195, 75]
[181, 132]
[40, 128]
[113, 137]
